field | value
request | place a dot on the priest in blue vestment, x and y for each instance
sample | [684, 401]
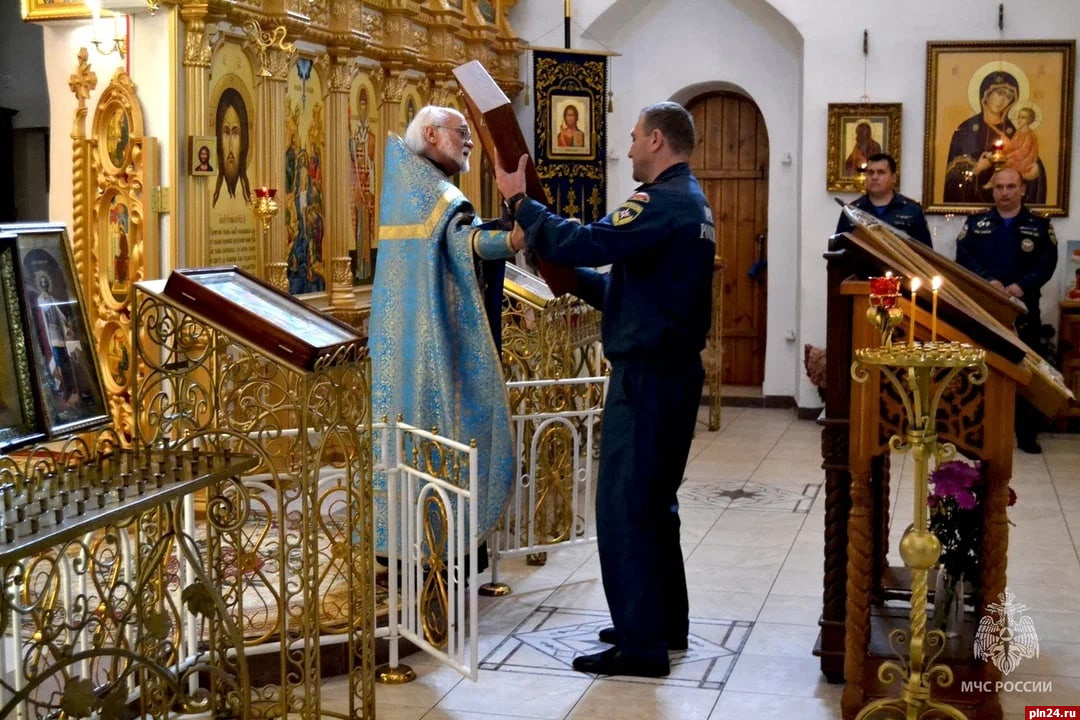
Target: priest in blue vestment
[436, 309]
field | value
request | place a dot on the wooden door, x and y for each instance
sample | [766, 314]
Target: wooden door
[731, 160]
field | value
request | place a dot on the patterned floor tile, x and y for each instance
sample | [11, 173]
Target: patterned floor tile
[551, 637]
[750, 495]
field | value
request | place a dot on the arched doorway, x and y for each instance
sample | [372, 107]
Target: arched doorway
[731, 160]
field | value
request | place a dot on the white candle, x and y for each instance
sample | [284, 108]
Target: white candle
[935, 285]
[914, 292]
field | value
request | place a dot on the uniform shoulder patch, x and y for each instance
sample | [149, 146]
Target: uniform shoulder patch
[1053, 237]
[963, 233]
[626, 213]
[641, 197]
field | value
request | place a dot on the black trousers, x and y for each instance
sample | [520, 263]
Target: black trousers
[649, 418]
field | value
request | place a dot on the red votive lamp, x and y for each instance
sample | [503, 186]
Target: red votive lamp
[884, 291]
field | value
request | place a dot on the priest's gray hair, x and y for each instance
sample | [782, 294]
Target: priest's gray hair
[429, 116]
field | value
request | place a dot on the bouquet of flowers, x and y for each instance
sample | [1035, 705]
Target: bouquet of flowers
[957, 489]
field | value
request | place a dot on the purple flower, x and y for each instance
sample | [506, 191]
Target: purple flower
[966, 500]
[957, 491]
[953, 477]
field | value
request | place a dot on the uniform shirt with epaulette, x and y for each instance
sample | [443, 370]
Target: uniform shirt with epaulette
[901, 212]
[1020, 250]
[660, 243]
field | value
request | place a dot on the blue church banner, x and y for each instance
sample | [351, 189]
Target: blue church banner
[570, 147]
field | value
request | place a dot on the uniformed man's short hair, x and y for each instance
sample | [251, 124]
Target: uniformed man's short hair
[878, 157]
[674, 123]
[1023, 183]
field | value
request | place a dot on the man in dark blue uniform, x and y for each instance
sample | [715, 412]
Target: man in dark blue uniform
[657, 302]
[883, 202]
[1014, 250]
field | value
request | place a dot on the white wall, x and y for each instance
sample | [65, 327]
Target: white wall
[744, 46]
[793, 58]
[896, 72]
[151, 45]
[62, 44]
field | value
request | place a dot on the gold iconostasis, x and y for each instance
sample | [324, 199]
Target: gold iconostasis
[291, 100]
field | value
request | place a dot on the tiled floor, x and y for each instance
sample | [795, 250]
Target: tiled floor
[752, 511]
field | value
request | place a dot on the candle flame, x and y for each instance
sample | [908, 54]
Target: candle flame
[915, 283]
[935, 284]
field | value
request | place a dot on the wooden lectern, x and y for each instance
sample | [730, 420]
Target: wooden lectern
[864, 597]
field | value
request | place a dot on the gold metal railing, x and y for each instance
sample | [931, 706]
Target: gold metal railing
[297, 556]
[103, 582]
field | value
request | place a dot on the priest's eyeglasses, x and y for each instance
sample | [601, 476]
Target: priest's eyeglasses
[462, 130]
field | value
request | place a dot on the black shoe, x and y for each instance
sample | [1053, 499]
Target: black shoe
[613, 662]
[1029, 445]
[609, 636]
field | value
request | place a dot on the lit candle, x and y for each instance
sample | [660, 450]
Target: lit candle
[914, 292]
[262, 192]
[935, 285]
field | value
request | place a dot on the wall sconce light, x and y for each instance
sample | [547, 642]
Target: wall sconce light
[118, 42]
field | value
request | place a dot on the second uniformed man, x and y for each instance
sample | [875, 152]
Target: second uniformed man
[1015, 251]
[883, 202]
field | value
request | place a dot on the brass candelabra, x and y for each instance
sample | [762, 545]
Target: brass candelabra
[265, 206]
[914, 369]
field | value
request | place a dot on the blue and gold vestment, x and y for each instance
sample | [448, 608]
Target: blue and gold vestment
[433, 358]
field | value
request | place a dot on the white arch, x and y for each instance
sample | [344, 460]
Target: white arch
[745, 46]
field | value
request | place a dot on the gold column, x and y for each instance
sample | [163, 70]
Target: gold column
[82, 82]
[390, 87]
[715, 375]
[275, 57]
[338, 221]
[194, 222]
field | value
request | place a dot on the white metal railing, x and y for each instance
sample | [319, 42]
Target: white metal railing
[552, 503]
[411, 483]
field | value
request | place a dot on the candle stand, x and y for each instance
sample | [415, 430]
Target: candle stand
[920, 373]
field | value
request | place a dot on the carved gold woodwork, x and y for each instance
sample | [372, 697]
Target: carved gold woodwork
[404, 50]
[274, 54]
[114, 238]
[82, 82]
